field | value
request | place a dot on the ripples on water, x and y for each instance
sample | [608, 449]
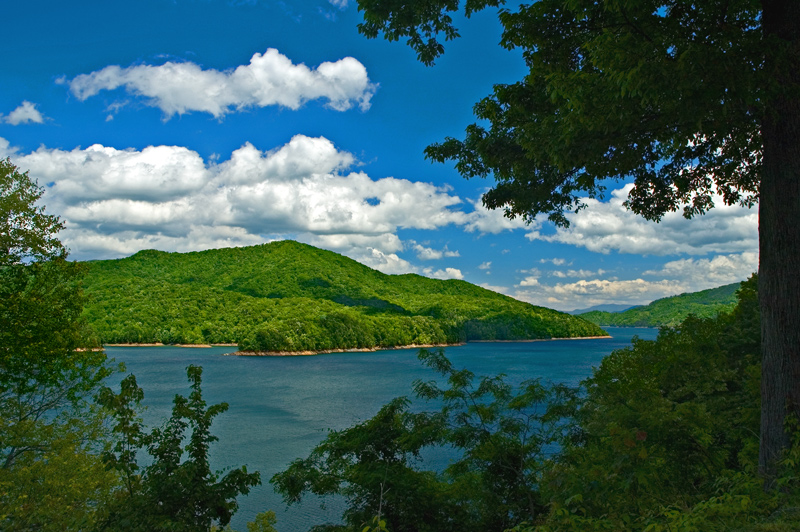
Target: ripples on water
[281, 407]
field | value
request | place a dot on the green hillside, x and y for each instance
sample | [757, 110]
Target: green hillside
[286, 296]
[670, 311]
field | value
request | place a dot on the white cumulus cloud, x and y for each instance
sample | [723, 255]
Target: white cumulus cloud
[385, 262]
[26, 113]
[376, 251]
[483, 220]
[446, 273]
[494, 288]
[577, 273]
[673, 278]
[607, 226]
[719, 270]
[155, 174]
[115, 202]
[269, 79]
[426, 253]
[583, 293]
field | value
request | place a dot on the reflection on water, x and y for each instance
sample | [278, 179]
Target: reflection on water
[280, 407]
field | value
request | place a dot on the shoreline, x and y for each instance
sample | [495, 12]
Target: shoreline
[346, 350]
[412, 346]
[327, 351]
[159, 344]
[542, 339]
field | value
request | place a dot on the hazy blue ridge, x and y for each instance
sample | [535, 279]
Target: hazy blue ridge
[670, 311]
[287, 296]
[608, 307]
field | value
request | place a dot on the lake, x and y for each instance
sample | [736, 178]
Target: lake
[281, 407]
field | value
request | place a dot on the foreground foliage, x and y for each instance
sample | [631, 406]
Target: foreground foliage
[670, 311]
[61, 468]
[287, 296]
[499, 431]
[662, 437]
[171, 493]
[664, 426]
[51, 476]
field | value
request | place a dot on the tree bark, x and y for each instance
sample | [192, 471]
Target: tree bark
[779, 234]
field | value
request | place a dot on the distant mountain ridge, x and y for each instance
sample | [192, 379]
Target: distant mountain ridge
[609, 307]
[670, 311]
[287, 296]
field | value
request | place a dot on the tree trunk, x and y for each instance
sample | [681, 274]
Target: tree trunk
[779, 234]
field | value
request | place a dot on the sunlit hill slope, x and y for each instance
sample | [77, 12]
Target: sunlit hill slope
[287, 296]
[671, 311]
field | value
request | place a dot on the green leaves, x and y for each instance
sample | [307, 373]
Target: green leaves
[495, 434]
[51, 477]
[662, 437]
[56, 472]
[671, 311]
[26, 232]
[669, 94]
[177, 491]
[665, 426]
[378, 525]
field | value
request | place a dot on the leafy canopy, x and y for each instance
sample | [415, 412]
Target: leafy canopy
[58, 469]
[668, 93]
[670, 311]
[50, 475]
[26, 232]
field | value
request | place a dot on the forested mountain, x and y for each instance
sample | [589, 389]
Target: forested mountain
[670, 311]
[287, 296]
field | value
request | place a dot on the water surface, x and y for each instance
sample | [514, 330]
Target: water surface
[281, 407]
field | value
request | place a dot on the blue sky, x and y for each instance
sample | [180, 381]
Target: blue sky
[184, 125]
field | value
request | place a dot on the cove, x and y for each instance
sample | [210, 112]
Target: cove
[281, 407]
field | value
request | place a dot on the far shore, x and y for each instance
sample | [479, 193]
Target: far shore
[159, 344]
[412, 346]
[348, 350]
[326, 351]
[542, 339]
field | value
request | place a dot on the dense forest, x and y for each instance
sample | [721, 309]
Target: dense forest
[670, 311]
[287, 296]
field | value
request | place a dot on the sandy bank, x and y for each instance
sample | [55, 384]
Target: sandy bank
[542, 339]
[158, 344]
[351, 350]
[133, 345]
[326, 351]
[371, 349]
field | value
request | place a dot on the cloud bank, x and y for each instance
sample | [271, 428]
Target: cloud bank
[118, 201]
[115, 202]
[674, 277]
[605, 227]
[269, 79]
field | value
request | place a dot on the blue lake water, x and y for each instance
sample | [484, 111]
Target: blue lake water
[281, 407]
